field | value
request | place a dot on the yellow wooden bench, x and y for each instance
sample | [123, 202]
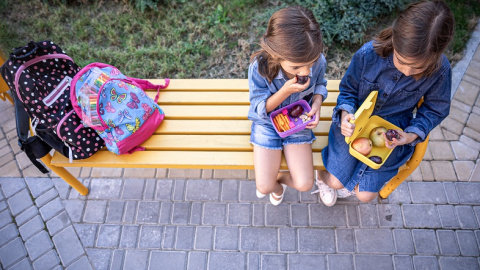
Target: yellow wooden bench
[206, 127]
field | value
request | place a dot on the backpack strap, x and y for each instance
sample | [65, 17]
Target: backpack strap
[148, 85]
[34, 147]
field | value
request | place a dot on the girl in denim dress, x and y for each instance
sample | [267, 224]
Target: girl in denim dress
[403, 63]
[292, 45]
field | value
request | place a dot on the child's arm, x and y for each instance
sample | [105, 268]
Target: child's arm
[290, 87]
[320, 92]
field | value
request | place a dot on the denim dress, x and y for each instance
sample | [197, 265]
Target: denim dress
[263, 133]
[398, 95]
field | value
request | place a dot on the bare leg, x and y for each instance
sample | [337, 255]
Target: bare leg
[330, 179]
[300, 162]
[267, 164]
[365, 196]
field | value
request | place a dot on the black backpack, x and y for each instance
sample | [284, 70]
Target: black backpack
[39, 76]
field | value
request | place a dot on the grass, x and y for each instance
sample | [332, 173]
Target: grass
[181, 39]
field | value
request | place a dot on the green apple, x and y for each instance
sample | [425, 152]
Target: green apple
[376, 135]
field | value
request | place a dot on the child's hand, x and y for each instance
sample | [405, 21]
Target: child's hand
[291, 86]
[405, 138]
[347, 127]
[315, 112]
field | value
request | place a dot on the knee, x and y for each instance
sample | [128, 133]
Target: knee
[330, 180]
[304, 186]
[265, 188]
[365, 196]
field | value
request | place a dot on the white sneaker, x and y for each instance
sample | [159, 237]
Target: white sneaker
[344, 193]
[280, 198]
[327, 194]
[260, 195]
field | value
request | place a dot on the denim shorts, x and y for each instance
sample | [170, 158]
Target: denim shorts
[265, 136]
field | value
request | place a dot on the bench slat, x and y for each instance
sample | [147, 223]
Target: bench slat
[173, 159]
[220, 112]
[235, 127]
[210, 143]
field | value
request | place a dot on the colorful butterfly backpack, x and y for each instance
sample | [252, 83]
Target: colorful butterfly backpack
[116, 106]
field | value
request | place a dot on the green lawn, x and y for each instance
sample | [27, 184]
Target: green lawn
[181, 39]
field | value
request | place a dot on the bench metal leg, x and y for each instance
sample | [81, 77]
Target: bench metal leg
[65, 175]
[411, 165]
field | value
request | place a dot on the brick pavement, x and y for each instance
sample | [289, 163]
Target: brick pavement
[211, 219]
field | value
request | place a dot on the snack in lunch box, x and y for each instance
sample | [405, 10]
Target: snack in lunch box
[282, 122]
[376, 159]
[296, 111]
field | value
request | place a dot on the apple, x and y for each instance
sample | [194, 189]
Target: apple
[362, 145]
[376, 135]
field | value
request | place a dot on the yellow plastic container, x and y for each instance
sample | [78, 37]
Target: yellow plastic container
[364, 123]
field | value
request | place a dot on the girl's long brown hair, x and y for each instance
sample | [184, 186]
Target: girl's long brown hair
[422, 32]
[293, 34]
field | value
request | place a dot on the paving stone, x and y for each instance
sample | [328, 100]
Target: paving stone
[368, 215]
[104, 188]
[471, 133]
[463, 169]
[22, 160]
[74, 209]
[229, 174]
[12, 252]
[100, 258]
[427, 193]
[447, 242]
[441, 150]
[47, 261]
[451, 191]
[164, 190]
[203, 190]
[165, 213]
[473, 121]
[403, 241]
[116, 263]
[214, 213]
[466, 217]
[300, 215]
[258, 239]
[274, 261]
[95, 211]
[226, 260]
[352, 216]
[226, 238]
[181, 213]
[197, 261]
[204, 238]
[22, 265]
[230, 190]
[458, 263]
[345, 240]
[133, 189]
[463, 151]
[277, 215]
[129, 236]
[459, 115]
[324, 216]
[68, 245]
[38, 186]
[168, 260]
[115, 211]
[179, 190]
[185, 239]
[470, 142]
[169, 237]
[258, 214]
[448, 216]
[428, 154]
[421, 216]
[468, 193]
[5, 218]
[81, 264]
[149, 193]
[196, 213]
[8, 233]
[51, 209]
[19, 202]
[451, 136]
[148, 212]
[86, 172]
[466, 93]
[390, 215]
[62, 187]
[461, 106]
[161, 173]
[316, 240]
[108, 236]
[452, 125]
[185, 173]
[7, 157]
[468, 244]
[150, 237]
[368, 262]
[130, 212]
[253, 261]
[425, 241]
[443, 171]
[374, 241]
[38, 244]
[106, 172]
[475, 177]
[426, 171]
[425, 262]
[417, 175]
[308, 197]
[32, 227]
[247, 192]
[139, 173]
[207, 173]
[402, 262]
[86, 233]
[335, 262]
[46, 197]
[239, 214]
